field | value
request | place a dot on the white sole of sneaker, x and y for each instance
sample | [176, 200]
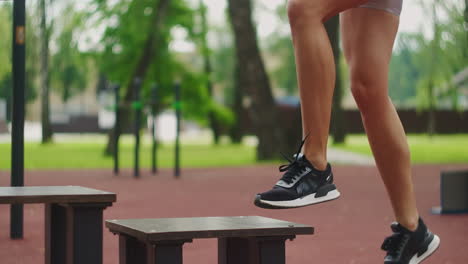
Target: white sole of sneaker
[304, 201]
[430, 249]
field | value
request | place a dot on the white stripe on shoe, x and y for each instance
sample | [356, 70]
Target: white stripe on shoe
[430, 249]
[303, 201]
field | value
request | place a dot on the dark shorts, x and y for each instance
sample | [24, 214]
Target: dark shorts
[392, 6]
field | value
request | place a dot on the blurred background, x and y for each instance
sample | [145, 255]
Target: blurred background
[234, 63]
[210, 86]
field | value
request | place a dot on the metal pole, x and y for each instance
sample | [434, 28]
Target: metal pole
[137, 106]
[116, 89]
[177, 106]
[154, 101]
[17, 135]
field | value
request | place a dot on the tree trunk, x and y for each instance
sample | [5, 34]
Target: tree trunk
[254, 80]
[435, 52]
[236, 132]
[466, 12]
[45, 115]
[338, 127]
[214, 124]
[144, 62]
[431, 124]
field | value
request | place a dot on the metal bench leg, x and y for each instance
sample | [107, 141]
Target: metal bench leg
[55, 234]
[272, 250]
[84, 233]
[168, 252]
[237, 250]
[255, 250]
[132, 251]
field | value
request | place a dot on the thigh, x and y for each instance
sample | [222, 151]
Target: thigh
[368, 36]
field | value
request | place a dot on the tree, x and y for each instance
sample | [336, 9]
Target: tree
[440, 57]
[68, 69]
[254, 79]
[44, 58]
[205, 51]
[136, 43]
[5, 55]
[144, 61]
[466, 12]
[404, 73]
[338, 126]
[5, 44]
[223, 55]
[281, 47]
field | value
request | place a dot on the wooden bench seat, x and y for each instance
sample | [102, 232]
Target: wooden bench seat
[241, 240]
[73, 220]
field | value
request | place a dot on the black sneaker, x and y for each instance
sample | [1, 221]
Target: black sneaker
[301, 185]
[407, 247]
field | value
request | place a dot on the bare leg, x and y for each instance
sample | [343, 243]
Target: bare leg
[315, 69]
[368, 37]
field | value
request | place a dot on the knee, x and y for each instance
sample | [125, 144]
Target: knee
[301, 12]
[368, 91]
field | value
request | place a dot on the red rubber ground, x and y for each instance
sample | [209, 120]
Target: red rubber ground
[348, 230]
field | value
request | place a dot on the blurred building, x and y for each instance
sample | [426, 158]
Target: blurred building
[459, 82]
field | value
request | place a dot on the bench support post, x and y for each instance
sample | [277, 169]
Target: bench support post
[254, 250]
[55, 234]
[133, 251]
[168, 252]
[74, 233]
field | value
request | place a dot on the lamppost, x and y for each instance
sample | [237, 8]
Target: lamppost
[17, 134]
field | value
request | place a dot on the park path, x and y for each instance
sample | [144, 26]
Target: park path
[348, 230]
[339, 156]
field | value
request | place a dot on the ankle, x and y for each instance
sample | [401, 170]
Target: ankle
[317, 161]
[410, 223]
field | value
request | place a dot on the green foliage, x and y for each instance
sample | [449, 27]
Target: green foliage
[224, 115]
[5, 44]
[125, 34]
[284, 74]
[223, 57]
[68, 64]
[422, 67]
[128, 26]
[404, 73]
[455, 36]
[280, 46]
[32, 54]
[442, 56]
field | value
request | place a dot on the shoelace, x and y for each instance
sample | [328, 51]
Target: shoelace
[395, 243]
[295, 165]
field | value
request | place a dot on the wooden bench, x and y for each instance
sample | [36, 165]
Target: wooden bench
[73, 220]
[241, 240]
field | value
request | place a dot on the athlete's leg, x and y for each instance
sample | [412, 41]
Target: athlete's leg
[315, 69]
[308, 179]
[368, 37]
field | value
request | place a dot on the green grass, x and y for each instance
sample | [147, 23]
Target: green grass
[87, 153]
[67, 155]
[424, 149]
